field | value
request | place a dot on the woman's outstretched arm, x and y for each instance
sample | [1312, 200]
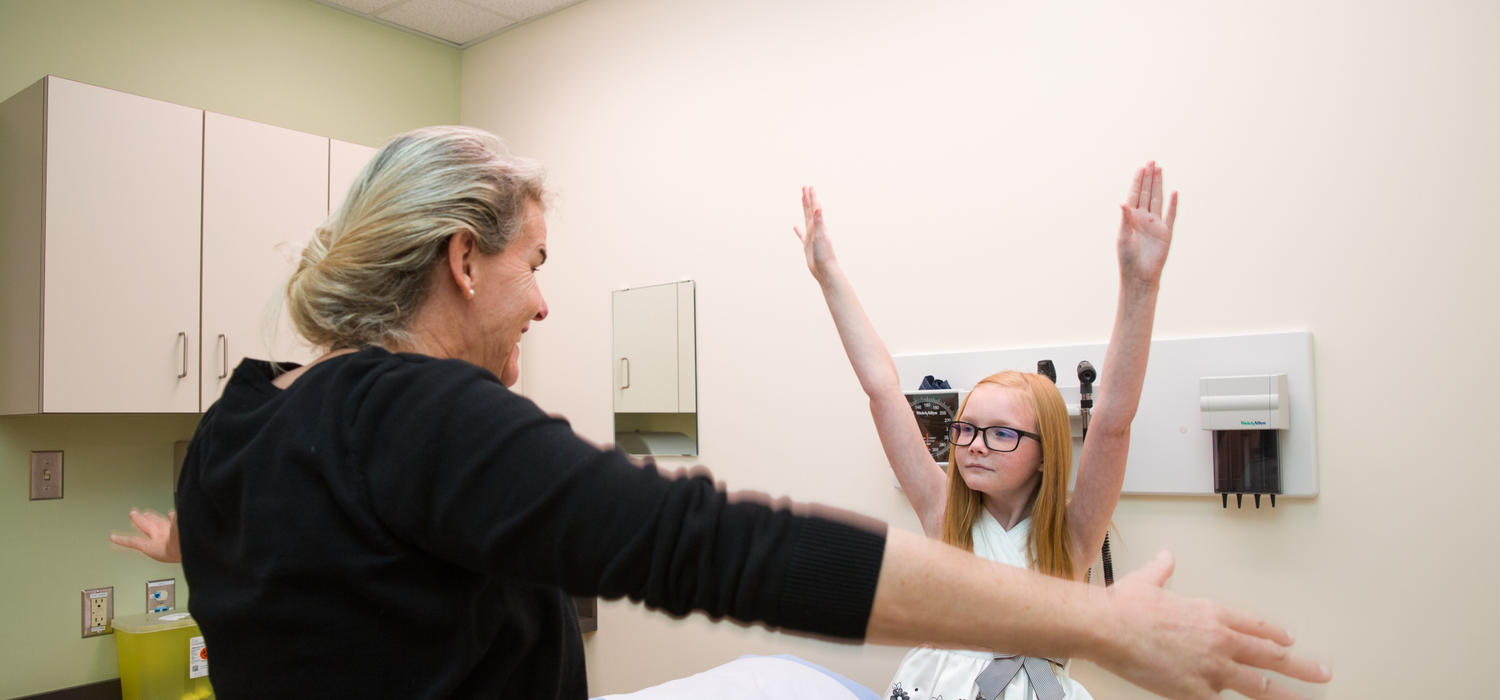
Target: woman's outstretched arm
[1171, 645]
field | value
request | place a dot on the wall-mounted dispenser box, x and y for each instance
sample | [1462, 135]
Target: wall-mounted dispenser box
[1245, 415]
[656, 369]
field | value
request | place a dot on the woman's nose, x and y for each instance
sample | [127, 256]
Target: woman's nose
[541, 311]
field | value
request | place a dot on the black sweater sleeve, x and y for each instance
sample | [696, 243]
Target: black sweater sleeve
[460, 466]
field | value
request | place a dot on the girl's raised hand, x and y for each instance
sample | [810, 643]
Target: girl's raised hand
[815, 243]
[1144, 235]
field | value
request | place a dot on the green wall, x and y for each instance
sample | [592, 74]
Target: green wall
[291, 63]
[54, 549]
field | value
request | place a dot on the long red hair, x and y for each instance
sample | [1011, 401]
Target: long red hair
[1050, 545]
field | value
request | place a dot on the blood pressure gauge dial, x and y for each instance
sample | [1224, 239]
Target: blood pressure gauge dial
[934, 410]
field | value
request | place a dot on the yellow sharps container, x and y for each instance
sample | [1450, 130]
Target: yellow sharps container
[162, 657]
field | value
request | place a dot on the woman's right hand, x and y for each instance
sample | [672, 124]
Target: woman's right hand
[160, 536]
[1184, 648]
[815, 243]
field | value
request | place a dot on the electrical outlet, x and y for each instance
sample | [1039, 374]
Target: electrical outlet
[46, 475]
[161, 596]
[98, 610]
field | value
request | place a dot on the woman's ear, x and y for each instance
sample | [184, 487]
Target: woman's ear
[461, 251]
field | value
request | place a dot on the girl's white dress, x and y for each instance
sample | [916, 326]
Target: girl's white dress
[949, 674]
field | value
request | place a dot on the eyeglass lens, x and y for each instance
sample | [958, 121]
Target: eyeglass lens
[998, 438]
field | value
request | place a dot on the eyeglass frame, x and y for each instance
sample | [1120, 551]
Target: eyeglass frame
[986, 432]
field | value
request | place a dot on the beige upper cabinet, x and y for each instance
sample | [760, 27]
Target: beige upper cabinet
[265, 189]
[656, 370]
[100, 226]
[146, 245]
[345, 161]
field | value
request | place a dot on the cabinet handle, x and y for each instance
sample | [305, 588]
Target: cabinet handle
[223, 356]
[625, 372]
[182, 368]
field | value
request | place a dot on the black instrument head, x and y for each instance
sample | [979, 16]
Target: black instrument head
[1086, 373]
[1045, 368]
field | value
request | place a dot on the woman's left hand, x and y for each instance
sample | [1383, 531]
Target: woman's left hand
[1144, 235]
[158, 538]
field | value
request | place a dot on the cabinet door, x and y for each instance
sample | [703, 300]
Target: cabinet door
[265, 189]
[687, 347]
[345, 161]
[645, 349]
[120, 290]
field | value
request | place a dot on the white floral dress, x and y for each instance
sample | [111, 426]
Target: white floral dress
[928, 673]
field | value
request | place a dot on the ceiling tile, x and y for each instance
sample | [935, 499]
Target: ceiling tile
[522, 9]
[446, 19]
[363, 6]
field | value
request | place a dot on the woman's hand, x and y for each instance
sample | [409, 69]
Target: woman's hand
[160, 540]
[1144, 235]
[815, 243]
[1184, 648]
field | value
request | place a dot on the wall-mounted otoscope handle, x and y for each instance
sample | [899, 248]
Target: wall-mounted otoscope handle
[1046, 369]
[1086, 377]
[1087, 374]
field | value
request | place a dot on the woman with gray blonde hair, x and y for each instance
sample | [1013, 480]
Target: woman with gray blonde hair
[389, 520]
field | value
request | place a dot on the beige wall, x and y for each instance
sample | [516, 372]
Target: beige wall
[292, 63]
[1336, 160]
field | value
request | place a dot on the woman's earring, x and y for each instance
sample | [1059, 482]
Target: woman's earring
[471, 292]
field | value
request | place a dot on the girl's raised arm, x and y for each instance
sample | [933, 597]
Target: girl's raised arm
[921, 479]
[1142, 245]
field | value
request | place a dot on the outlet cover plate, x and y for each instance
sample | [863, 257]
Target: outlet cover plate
[161, 595]
[98, 610]
[46, 475]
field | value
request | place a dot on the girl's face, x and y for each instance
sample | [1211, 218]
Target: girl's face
[999, 474]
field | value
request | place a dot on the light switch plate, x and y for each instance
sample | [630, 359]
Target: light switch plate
[46, 475]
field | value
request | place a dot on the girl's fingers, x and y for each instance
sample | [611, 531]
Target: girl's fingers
[1133, 197]
[1171, 214]
[799, 234]
[1156, 190]
[1146, 183]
